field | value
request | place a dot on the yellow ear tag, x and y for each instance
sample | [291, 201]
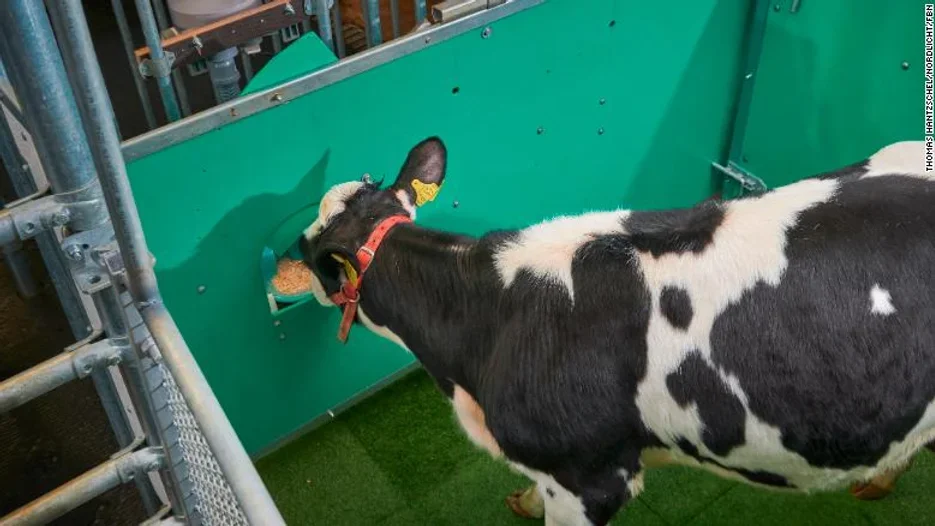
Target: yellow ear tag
[348, 269]
[425, 192]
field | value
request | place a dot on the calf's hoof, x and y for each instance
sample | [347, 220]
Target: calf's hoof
[871, 491]
[527, 503]
[879, 486]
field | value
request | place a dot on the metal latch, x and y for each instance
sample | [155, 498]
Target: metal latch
[454, 9]
[747, 180]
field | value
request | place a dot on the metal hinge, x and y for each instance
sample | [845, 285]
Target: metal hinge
[747, 180]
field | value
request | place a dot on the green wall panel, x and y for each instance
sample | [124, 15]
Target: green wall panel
[831, 87]
[667, 80]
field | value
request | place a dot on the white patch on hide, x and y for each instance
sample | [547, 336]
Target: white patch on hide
[404, 200]
[473, 421]
[331, 205]
[901, 158]
[747, 248]
[880, 301]
[380, 330]
[548, 249]
[562, 508]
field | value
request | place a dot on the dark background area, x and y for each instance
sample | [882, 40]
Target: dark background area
[62, 434]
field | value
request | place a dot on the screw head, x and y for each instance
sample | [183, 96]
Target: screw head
[777, 8]
[29, 227]
[428, 39]
[540, 130]
[486, 32]
[289, 10]
[602, 102]
[282, 336]
[74, 253]
[905, 65]
[277, 97]
[455, 204]
[600, 131]
[61, 217]
[202, 289]
[277, 323]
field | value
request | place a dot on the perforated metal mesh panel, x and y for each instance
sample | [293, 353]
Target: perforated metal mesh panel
[216, 503]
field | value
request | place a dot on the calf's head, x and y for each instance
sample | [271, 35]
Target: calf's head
[349, 212]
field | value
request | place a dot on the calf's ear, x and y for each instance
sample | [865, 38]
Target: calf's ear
[423, 173]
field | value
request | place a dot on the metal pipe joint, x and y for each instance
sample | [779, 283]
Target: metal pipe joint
[24, 219]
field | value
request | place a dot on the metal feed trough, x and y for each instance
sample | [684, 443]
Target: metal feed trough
[519, 89]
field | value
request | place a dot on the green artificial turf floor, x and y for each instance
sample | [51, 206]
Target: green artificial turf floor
[399, 458]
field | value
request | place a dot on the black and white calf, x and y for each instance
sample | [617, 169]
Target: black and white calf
[786, 340]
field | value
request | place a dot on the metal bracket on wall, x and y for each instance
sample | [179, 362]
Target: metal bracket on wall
[749, 182]
[85, 251]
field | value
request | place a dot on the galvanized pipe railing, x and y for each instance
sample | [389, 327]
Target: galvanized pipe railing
[372, 24]
[37, 76]
[23, 185]
[95, 107]
[420, 11]
[120, 470]
[58, 371]
[44, 94]
[163, 23]
[161, 68]
[126, 38]
[323, 12]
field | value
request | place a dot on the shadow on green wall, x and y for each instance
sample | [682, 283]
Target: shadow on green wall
[672, 172]
[241, 235]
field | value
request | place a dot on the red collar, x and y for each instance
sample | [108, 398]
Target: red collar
[349, 294]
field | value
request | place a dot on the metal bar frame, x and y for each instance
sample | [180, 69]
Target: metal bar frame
[126, 39]
[95, 108]
[162, 69]
[371, 11]
[339, 44]
[163, 22]
[394, 17]
[58, 371]
[323, 14]
[119, 470]
[23, 185]
[245, 106]
[420, 11]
